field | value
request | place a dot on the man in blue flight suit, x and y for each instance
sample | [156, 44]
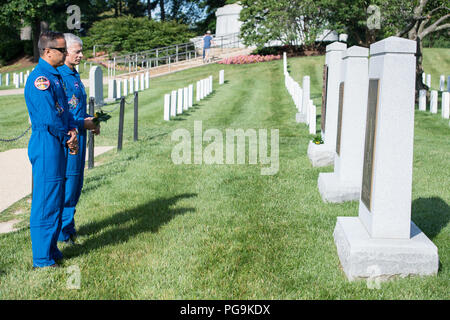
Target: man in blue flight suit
[53, 137]
[76, 100]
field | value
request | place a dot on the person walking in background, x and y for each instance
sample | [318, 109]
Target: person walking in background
[207, 42]
[77, 101]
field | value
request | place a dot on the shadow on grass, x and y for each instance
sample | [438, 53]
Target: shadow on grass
[431, 215]
[127, 224]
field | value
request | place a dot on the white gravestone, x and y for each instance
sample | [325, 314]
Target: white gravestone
[210, 85]
[423, 100]
[305, 100]
[112, 90]
[323, 154]
[173, 104]
[119, 87]
[442, 83]
[344, 184]
[131, 80]
[167, 107]
[202, 88]
[285, 63]
[180, 101]
[433, 101]
[136, 83]
[1, 79]
[312, 118]
[185, 98]
[197, 92]
[125, 87]
[424, 77]
[142, 82]
[21, 78]
[191, 96]
[7, 79]
[445, 105]
[429, 80]
[221, 76]
[96, 85]
[383, 241]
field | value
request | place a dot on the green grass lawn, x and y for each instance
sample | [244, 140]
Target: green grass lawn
[151, 229]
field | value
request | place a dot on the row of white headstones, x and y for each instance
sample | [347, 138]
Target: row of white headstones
[426, 79]
[445, 102]
[19, 79]
[301, 97]
[182, 99]
[123, 87]
[368, 136]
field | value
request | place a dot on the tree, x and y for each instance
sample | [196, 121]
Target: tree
[292, 22]
[426, 17]
[53, 12]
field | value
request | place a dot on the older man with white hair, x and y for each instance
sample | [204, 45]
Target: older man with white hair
[77, 101]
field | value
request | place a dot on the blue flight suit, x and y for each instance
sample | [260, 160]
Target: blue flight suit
[47, 150]
[77, 102]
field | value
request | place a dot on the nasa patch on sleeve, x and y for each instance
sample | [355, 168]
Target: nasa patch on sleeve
[42, 83]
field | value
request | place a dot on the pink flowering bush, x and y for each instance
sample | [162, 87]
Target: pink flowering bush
[249, 59]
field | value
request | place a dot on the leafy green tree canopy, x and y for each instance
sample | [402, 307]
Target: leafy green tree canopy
[130, 34]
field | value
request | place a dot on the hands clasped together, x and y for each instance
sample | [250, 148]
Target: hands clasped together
[72, 143]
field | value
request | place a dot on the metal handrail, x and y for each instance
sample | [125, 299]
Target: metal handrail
[189, 51]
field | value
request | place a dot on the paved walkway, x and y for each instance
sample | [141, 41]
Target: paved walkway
[15, 182]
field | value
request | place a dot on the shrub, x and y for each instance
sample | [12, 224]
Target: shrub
[249, 59]
[130, 34]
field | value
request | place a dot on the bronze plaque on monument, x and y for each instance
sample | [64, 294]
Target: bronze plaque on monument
[369, 146]
[339, 124]
[324, 97]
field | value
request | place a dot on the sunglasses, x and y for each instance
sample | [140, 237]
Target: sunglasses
[62, 50]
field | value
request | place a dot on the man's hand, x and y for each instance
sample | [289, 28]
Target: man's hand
[96, 131]
[89, 124]
[72, 143]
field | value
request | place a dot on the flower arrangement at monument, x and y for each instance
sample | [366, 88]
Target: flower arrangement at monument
[318, 139]
[100, 116]
[249, 59]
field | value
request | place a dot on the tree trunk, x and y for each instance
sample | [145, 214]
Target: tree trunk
[36, 32]
[163, 11]
[149, 9]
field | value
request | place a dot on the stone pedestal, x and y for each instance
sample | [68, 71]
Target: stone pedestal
[319, 155]
[323, 155]
[363, 256]
[344, 184]
[382, 241]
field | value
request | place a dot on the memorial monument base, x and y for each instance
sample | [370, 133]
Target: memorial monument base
[300, 117]
[320, 155]
[333, 190]
[363, 257]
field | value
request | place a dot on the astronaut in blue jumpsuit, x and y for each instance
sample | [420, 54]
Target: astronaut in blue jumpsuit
[77, 101]
[53, 137]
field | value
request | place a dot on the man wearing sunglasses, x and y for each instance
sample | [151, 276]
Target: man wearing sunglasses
[54, 135]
